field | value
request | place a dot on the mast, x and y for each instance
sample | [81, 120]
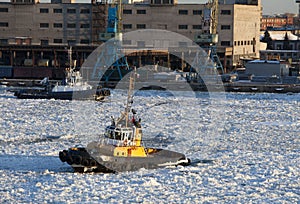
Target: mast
[70, 57]
[129, 96]
[129, 99]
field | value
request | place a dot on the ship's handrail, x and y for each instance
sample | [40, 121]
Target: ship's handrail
[118, 143]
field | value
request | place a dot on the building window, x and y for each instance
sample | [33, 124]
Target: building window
[225, 27]
[5, 10]
[44, 42]
[141, 26]
[183, 12]
[127, 11]
[57, 40]
[85, 25]
[44, 25]
[126, 42]
[57, 25]
[182, 27]
[197, 12]
[197, 27]
[3, 41]
[84, 41]
[71, 10]
[3, 24]
[141, 11]
[85, 11]
[57, 10]
[71, 25]
[71, 42]
[141, 44]
[127, 26]
[44, 10]
[225, 43]
[225, 12]
[182, 44]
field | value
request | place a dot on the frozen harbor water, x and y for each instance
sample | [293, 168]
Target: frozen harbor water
[245, 148]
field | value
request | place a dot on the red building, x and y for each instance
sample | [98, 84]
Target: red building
[286, 20]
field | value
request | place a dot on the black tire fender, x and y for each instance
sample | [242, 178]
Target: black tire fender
[85, 162]
[106, 92]
[93, 163]
[69, 160]
[77, 160]
[62, 156]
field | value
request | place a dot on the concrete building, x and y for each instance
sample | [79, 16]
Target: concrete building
[283, 45]
[238, 24]
[63, 22]
[30, 22]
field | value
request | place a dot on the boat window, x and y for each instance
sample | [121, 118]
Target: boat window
[130, 136]
[117, 135]
[110, 134]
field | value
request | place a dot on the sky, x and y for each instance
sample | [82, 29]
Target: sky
[269, 6]
[279, 6]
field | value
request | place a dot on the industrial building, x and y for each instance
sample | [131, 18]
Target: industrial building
[37, 31]
[286, 21]
[238, 24]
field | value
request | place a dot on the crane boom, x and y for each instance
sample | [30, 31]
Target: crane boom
[214, 7]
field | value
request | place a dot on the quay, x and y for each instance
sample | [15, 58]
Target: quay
[16, 84]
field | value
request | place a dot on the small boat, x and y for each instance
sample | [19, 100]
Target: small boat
[72, 87]
[121, 148]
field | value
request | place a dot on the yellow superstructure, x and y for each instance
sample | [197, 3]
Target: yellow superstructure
[131, 148]
[130, 151]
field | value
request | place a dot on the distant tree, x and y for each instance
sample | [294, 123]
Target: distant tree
[267, 39]
[286, 42]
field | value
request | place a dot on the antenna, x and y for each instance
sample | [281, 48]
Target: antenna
[129, 99]
[130, 95]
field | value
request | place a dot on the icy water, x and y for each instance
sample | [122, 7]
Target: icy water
[244, 147]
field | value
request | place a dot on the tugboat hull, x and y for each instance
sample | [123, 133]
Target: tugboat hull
[91, 94]
[94, 160]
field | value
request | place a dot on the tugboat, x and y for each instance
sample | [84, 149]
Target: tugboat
[72, 87]
[121, 147]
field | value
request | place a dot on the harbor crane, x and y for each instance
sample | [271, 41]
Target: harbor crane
[208, 40]
[111, 62]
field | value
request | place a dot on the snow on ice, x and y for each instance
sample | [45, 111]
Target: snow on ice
[245, 148]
